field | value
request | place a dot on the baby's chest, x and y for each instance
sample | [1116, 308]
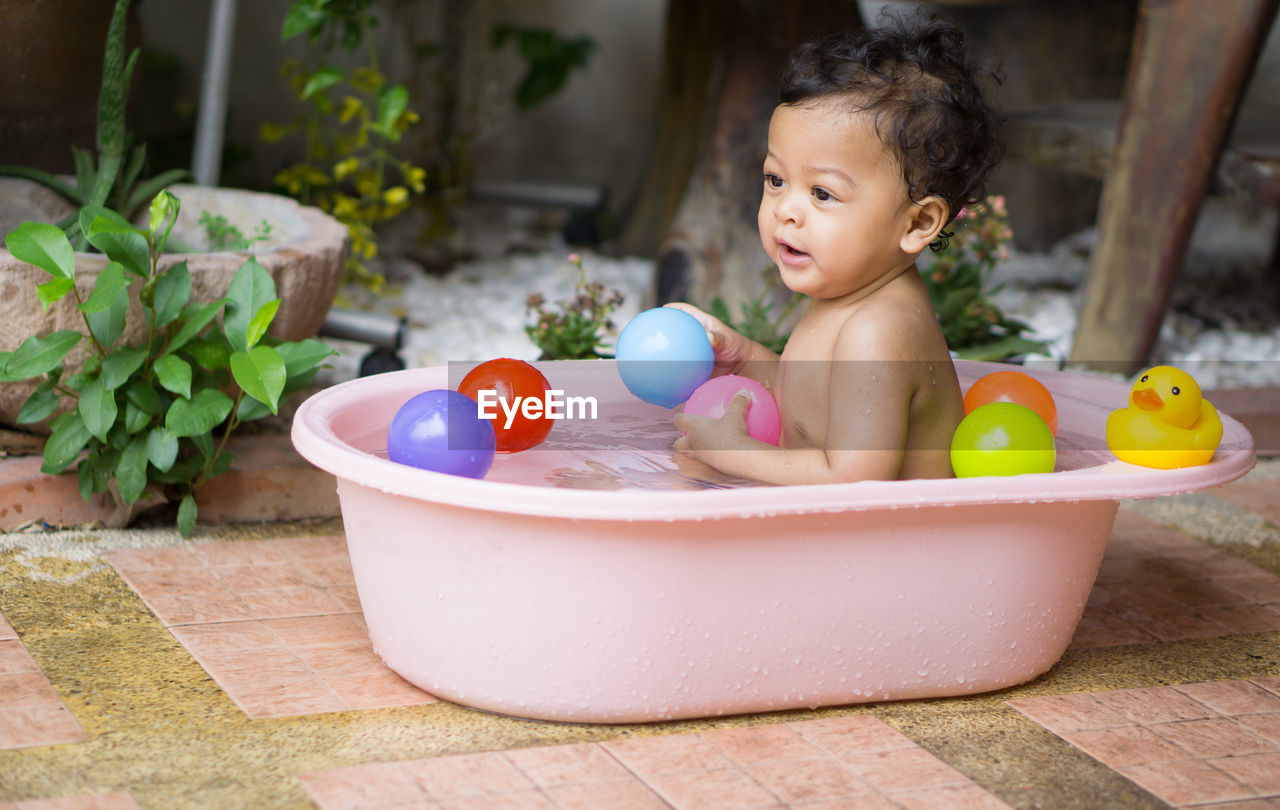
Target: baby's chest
[802, 394]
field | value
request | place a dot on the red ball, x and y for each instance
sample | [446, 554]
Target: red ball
[513, 382]
[1017, 387]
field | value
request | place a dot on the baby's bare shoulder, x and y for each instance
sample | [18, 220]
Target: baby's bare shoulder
[889, 329]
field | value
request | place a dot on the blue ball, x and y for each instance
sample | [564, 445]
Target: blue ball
[664, 355]
[441, 430]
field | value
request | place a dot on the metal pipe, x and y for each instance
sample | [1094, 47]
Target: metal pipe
[206, 162]
[382, 331]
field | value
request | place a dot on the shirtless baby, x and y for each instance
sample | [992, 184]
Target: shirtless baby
[880, 139]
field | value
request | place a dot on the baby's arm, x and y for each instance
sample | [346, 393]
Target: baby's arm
[868, 407]
[734, 352]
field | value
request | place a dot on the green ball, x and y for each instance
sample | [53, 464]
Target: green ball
[1002, 438]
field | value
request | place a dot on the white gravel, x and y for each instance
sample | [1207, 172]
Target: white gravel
[1223, 326]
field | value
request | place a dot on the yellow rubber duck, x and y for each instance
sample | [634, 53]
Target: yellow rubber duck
[1168, 424]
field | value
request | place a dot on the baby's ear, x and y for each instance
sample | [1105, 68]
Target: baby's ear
[926, 220]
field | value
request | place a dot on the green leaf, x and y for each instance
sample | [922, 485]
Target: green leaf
[135, 419]
[999, 349]
[144, 396]
[131, 471]
[84, 481]
[261, 373]
[118, 366]
[196, 317]
[45, 246]
[174, 374]
[172, 291]
[392, 102]
[108, 325]
[210, 353]
[67, 437]
[261, 322]
[204, 444]
[120, 240]
[162, 448]
[39, 406]
[186, 515]
[304, 355]
[302, 17]
[109, 284]
[98, 409]
[54, 290]
[321, 80]
[200, 414]
[38, 355]
[251, 288]
[251, 409]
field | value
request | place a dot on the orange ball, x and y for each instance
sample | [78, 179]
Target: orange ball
[1013, 386]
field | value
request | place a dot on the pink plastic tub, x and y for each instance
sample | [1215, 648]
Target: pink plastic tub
[589, 580]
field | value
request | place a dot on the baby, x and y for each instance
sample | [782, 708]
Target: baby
[880, 139]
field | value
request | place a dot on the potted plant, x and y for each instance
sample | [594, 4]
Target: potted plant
[304, 254]
[958, 280]
[140, 362]
[151, 415]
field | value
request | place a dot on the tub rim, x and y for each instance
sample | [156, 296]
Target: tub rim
[316, 441]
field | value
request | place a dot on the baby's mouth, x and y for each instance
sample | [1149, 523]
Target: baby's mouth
[789, 254]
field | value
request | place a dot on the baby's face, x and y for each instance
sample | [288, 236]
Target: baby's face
[835, 205]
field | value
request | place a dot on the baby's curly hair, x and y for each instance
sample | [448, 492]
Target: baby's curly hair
[914, 76]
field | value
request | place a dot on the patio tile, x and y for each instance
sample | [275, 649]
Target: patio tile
[1159, 584]
[1232, 697]
[1159, 704]
[1214, 737]
[831, 763]
[31, 711]
[1192, 744]
[271, 621]
[1187, 782]
[467, 775]
[651, 756]
[747, 746]
[564, 764]
[1127, 745]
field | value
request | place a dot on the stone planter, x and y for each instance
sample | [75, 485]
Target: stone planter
[305, 256]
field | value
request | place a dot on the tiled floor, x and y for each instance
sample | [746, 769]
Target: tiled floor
[816, 764]
[1155, 584]
[1159, 584]
[1194, 744]
[275, 622]
[31, 712]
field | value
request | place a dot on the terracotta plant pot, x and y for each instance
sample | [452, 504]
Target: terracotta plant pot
[304, 255]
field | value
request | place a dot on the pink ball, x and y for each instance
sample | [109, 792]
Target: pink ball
[764, 424]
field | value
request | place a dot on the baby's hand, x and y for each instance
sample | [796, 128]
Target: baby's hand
[732, 350]
[704, 435]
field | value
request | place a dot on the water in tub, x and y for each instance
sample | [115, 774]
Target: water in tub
[625, 443]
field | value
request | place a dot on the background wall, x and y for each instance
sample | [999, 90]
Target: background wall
[594, 132]
[597, 130]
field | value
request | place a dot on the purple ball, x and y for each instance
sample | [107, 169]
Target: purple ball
[441, 430]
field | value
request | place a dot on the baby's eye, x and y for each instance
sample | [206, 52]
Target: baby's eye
[772, 180]
[821, 194]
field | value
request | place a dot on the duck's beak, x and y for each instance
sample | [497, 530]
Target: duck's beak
[1147, 399]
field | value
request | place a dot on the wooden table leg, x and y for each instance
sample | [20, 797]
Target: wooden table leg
[1189, 66]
